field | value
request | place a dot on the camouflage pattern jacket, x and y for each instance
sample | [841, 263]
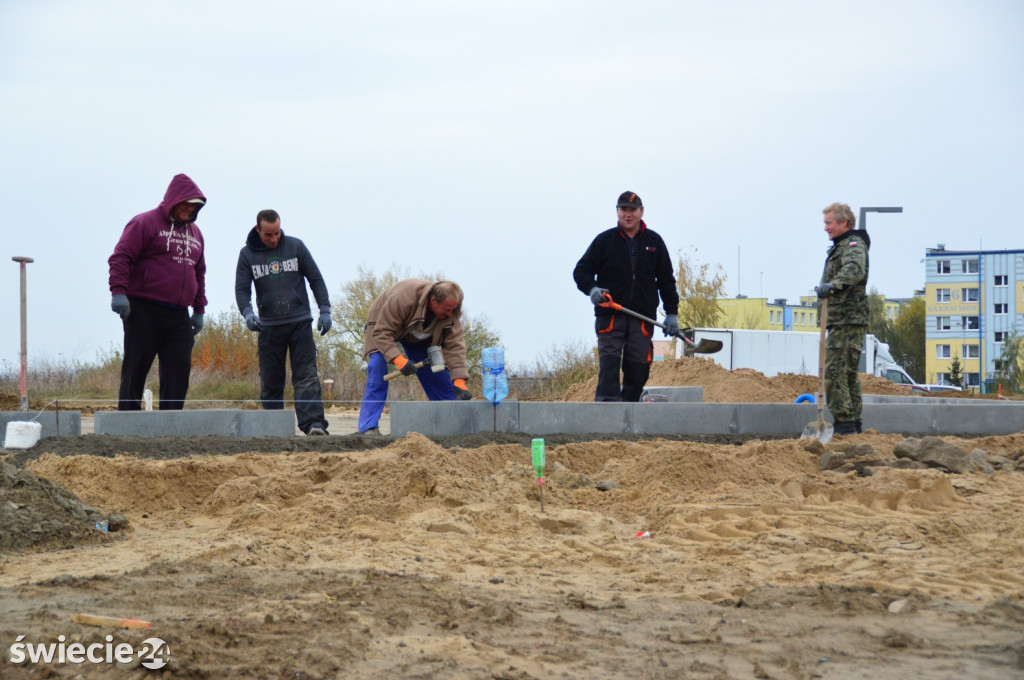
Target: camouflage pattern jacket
[847, 267]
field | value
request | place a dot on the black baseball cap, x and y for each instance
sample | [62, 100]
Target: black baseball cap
[627, 199]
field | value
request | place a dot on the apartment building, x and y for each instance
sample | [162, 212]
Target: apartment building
[974, 298]
[779, 314]
[765, 315]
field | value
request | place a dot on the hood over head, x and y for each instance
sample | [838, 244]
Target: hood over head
[180, 190]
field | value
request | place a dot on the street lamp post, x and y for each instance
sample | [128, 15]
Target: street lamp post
[22, 261]
[864, 213]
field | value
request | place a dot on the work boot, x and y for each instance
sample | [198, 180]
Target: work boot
[844, 427]
[372, 432]
[857, 425]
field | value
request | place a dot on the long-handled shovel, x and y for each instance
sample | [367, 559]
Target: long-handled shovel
[705, 346]
[819, 429]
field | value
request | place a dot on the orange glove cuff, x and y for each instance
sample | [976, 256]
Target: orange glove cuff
[400, 362]
[460, 383]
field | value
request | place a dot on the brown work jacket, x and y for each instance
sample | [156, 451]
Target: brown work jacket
[402, 310]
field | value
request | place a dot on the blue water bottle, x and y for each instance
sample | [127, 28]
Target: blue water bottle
[495, 380]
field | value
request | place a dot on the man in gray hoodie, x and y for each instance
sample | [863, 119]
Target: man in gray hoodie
[280, 265]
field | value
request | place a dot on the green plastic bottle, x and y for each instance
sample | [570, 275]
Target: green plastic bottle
[538, 457]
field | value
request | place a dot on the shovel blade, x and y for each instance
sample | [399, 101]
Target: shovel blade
[707, 346]
[818, 429]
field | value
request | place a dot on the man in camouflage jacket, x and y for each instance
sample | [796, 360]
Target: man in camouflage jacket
[844, 284]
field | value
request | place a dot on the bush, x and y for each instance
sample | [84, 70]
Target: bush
[553, 373]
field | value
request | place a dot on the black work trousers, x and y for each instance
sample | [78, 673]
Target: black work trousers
[625, 341]
[296, 340]
[153, 330]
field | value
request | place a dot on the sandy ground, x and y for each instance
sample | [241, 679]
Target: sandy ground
[412, 558]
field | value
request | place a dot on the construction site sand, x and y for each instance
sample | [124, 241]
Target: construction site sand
[743, 385]
[418, 560]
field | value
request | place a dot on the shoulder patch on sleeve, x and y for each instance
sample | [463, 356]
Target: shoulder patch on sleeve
[853, 243]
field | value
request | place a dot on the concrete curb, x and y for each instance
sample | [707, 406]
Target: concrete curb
[540, 418]
[70, 422]
[226, 422]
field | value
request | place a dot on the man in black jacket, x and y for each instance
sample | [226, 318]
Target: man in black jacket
[631, 263]
[280, 265]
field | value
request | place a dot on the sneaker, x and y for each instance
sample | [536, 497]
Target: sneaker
[373, 432]
[316, 431]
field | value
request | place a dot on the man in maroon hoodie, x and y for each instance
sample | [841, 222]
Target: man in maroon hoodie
[157, 272]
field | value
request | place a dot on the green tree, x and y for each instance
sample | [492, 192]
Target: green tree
[907, 340]
[344, 344]
[700, 286]
[350, 310]
[956, 372]
[478, 335]
[878, 325]
[1011, 363]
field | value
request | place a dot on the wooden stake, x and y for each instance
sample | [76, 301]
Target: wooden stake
[93, 620]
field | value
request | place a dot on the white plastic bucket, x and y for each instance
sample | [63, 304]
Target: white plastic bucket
[22, 434]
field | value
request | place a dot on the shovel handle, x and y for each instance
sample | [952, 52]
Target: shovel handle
[612, 304]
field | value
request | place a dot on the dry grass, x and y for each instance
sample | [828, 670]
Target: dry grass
[225, 374]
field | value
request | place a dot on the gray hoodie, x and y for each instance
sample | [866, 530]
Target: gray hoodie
[280, 275]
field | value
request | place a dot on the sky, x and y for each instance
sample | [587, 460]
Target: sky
[490, 140]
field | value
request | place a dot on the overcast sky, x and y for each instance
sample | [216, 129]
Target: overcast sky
[489, 141]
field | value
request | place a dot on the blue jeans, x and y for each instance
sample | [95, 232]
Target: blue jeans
[437, 386]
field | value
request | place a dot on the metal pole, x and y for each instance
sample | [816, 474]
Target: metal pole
[24, 331]
[864, 213]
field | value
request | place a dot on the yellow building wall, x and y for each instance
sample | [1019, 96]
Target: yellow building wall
[759, 314]
[955, 306]
[744, 313]
[892, 310]
[934, 365]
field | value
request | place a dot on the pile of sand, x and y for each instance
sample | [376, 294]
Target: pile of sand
[743, 385]
[417, 559]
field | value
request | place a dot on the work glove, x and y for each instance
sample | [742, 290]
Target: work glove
[324, 323]
[252, 322]
[404, 365]
[826, 290]
[597, 295]
[119, 304]
[197, 323]
[671, 325]
[461, 393]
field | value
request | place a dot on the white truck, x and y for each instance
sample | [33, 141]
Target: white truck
[774, 352]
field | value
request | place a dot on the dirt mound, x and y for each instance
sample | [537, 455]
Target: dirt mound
[37, 514]
[743, 385]
[426, 559]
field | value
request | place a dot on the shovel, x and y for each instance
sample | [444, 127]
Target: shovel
[705, 346]
[819, 429]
